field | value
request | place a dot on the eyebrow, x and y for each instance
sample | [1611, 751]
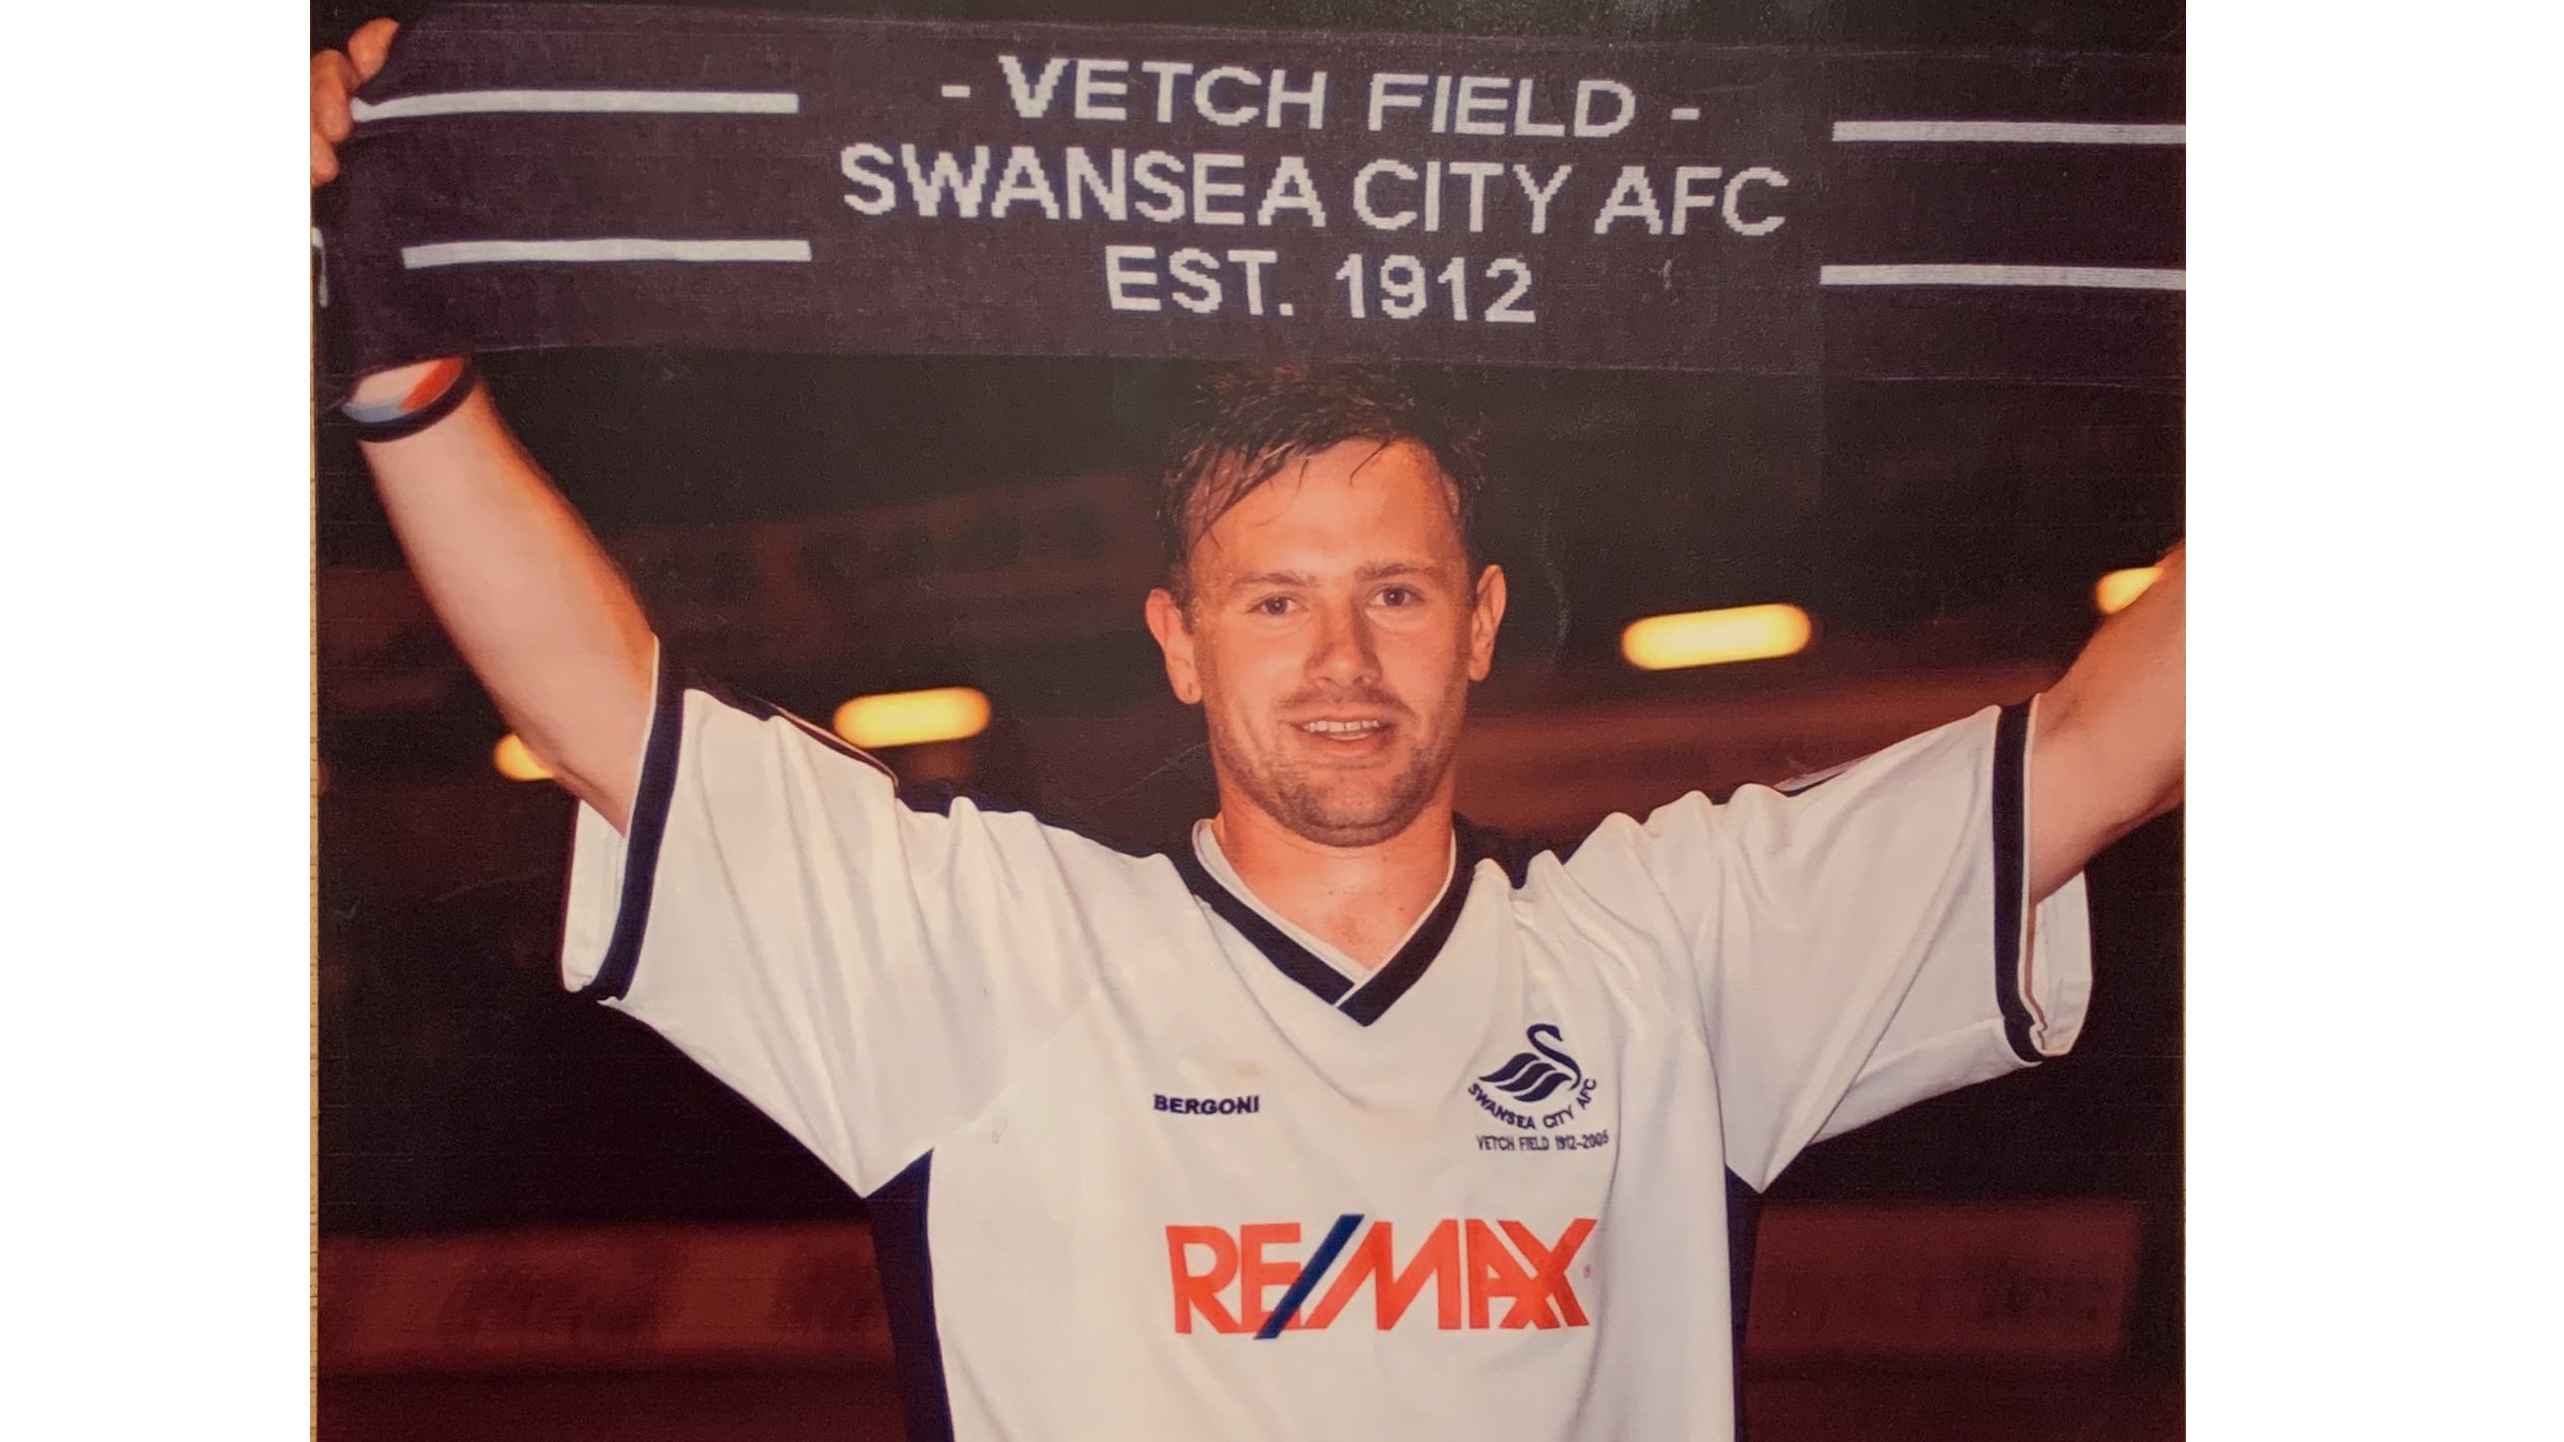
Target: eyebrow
[1369, 571]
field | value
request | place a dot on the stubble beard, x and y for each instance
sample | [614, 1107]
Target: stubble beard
[1343, 810]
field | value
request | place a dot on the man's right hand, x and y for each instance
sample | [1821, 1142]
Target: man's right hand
[531, 600]
[336, 76]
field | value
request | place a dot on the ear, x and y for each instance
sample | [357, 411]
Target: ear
[1485, 615]
[1175, 639]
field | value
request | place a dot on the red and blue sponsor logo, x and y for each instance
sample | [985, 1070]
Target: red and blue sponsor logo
[1457, 1274]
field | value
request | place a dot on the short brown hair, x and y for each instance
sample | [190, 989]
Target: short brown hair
[1255, 420]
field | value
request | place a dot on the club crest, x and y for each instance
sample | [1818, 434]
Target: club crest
[1533, 1075]
[1533, 1080]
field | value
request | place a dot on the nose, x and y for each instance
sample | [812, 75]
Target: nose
[1346, 651]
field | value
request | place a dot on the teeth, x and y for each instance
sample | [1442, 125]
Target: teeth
[1339, 728]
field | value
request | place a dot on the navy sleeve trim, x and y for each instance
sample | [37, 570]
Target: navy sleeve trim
[2011, 874]
[1744, 1227]
[907, 1266]
[649, 823]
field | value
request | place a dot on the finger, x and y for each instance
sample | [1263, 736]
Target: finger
[370, 46]
[324, 163]
[331, 72]
[332, 78]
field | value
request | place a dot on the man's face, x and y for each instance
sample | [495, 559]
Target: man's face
[1334, 631]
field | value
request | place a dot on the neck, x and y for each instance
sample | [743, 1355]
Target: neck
[1362, 900]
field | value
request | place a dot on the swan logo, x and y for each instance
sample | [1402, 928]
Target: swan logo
[1532, 1076]
[1542, 1087]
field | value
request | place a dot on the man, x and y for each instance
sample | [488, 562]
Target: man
[1342, 1121]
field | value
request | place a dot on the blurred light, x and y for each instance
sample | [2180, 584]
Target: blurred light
[2112, 593]
[1711, 638]
[912, 718]
[517, 763]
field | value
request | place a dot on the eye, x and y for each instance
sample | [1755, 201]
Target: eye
[1272, 606]
[1399, 596]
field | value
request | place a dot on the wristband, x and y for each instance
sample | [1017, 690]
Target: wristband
[447, 384]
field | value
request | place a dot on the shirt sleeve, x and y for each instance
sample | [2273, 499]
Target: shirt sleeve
[1865, 942]
[862, 969]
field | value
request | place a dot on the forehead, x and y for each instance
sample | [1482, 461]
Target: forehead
[1353, 502]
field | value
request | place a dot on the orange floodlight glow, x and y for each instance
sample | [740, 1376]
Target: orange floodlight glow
[913, 718]
[1714, 638]
[516, 763]
[2112, 593]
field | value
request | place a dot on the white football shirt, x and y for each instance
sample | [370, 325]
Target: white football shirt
[1146, 1160]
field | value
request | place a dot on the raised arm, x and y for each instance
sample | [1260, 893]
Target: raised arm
[532, 601]
[2106, 752]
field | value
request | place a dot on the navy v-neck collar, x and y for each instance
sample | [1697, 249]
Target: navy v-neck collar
[1397, 976]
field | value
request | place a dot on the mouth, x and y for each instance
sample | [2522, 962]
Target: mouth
[1344, 734]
